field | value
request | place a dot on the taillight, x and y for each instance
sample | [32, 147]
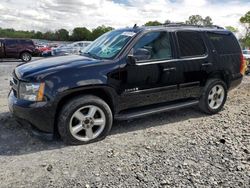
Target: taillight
[243, 65]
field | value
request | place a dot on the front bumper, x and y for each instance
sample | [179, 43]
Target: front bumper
[37, 114]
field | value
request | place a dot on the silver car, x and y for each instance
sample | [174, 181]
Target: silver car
[73, 48]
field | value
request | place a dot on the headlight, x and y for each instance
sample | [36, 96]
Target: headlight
[31, 91]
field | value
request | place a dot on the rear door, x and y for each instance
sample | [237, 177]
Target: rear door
[193, 64]
[11, 48]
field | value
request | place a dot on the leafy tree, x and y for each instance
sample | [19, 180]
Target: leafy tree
[198, 20]
[99, 31]
[38, 35]
[81, 33]
[167, 22]
[153, 23]
[62, 35]
[232, 29]
[245, 20]
[207, 21]
[49, 35]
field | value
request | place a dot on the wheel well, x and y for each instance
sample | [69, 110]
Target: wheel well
[101, 93]
[23, 52]
[220, 75]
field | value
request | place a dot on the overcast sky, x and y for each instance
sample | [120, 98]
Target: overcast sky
[55, 14]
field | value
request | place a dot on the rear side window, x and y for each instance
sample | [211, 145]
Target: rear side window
[224, 43]
[28, 42]
[191, 44]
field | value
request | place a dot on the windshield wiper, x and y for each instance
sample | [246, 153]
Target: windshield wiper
[91, 55]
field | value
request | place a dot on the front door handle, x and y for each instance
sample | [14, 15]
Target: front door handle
[169, 69]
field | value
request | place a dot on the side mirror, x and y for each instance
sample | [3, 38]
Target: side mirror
[141, 54]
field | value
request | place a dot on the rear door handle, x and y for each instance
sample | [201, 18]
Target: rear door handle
[169, 69]
[207, 64]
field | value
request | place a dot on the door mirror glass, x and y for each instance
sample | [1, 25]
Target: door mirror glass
[142, 54]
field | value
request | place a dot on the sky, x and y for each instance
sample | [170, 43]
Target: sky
[55, 14]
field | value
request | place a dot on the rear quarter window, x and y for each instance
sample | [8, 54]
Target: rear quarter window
[224, 43]
[190, 44]
[27, 42]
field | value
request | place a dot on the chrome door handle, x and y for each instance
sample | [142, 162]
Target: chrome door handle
[207, 64]
[169, 69]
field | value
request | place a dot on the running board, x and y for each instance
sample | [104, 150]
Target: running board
[136, 113]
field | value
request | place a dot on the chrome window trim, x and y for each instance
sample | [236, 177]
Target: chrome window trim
[171, 60]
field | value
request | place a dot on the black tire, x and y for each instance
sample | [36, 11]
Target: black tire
[71, 107]
[204, 100]
[26, 56]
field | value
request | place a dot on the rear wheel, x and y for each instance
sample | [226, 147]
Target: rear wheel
[84, 120]
[26, 57]
[214, 96]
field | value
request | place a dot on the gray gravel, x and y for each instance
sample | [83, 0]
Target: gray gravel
[183, 148]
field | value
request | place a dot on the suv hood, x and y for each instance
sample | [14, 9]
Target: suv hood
[53, 64]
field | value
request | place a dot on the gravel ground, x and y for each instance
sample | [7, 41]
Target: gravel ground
[183, 148]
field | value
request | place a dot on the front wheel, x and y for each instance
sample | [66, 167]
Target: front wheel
[214, 96]
[26, 57]
[85, 119]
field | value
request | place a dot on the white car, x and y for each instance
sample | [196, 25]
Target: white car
[246, 54]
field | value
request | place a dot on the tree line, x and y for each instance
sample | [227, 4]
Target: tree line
[78, 34]
[82, 33]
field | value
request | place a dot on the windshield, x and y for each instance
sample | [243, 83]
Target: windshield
[108, 45]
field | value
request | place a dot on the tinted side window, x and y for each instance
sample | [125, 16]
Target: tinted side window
[191, 44]
[158, 43]
[29, 42]
[224, 43]
[10, 42]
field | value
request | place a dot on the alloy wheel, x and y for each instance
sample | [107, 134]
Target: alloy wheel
[87, 123]
[216, 97]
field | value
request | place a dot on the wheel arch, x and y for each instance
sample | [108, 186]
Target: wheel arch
[223, 75]
[23, 51]
[104, 92]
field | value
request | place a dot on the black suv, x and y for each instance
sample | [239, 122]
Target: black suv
[17, 48]
[125, 74]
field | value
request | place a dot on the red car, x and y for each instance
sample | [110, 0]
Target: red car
[43, 48]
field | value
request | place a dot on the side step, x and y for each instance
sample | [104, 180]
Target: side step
[139, 112]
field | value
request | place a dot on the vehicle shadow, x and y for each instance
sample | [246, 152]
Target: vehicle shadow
[16, 139]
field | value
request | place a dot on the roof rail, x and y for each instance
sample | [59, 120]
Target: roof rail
[181, 24]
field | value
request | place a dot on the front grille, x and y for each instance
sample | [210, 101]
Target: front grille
[14, 83]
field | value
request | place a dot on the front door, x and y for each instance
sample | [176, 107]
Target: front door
[154, 79]
[1, 49]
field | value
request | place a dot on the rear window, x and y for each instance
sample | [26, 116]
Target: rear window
[224, 43]
[191, 44]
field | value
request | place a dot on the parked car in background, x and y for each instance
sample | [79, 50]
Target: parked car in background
[125, 74]
[73, 48]
[246, 54]
[22, 49]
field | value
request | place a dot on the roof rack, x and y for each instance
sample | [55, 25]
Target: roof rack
[181, 24]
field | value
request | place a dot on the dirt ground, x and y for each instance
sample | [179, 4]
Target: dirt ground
[183, 148]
